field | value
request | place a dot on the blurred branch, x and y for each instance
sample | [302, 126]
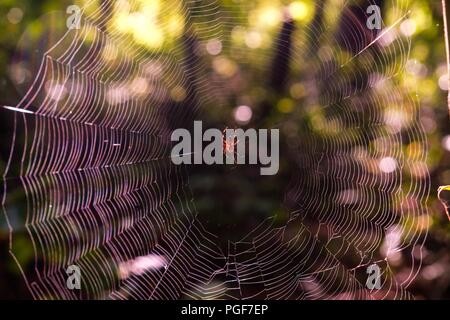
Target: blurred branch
[279, 69]
[280, 65]
[445, 15]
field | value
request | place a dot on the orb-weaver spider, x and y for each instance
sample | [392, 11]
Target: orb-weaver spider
[230, 142]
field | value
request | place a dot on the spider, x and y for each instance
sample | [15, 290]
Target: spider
[229, 144]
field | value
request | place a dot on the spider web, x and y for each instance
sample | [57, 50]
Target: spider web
[91, 153]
